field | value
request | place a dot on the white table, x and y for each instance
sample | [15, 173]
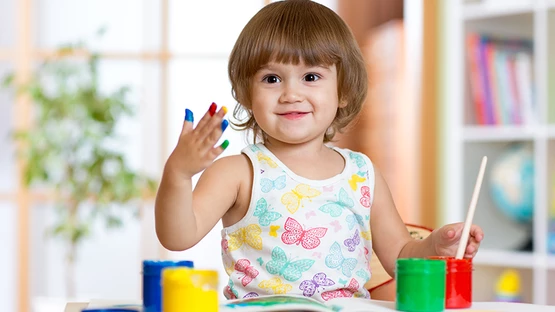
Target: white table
[385, 306]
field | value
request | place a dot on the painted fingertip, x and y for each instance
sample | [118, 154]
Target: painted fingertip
[188, 115]
[212, 109]
[225, 123]
[225, 144]
[224, 109]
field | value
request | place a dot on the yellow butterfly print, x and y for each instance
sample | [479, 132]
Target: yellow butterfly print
[229, 269]
[292, 200]
[366, 235]
[277, 286]
[355, 178]
[261, 157]
[273, 230]
[249, 235]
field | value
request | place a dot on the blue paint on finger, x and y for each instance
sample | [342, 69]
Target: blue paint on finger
[188, 115]
[225, 123]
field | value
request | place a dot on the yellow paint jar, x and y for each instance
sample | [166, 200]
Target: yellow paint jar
[191, 290]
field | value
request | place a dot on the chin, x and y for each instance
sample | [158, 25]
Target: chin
[298, 139]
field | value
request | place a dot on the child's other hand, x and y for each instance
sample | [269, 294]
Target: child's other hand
[195, 149]
[446, 240]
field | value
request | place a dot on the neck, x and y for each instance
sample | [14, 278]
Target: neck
[307, 149]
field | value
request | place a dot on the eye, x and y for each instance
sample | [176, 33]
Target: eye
[311, 77]
[271, 79]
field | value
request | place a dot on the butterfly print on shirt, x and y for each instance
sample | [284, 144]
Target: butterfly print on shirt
[294, 233]
[309, 287]
[352, 243]
[365, 200]
[349, 291]
[249, 272]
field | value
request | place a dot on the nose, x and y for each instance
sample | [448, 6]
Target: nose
[291, 92]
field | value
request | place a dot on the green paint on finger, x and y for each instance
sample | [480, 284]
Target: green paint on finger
[225, 144]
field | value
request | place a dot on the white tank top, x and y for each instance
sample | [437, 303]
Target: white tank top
[302, 236]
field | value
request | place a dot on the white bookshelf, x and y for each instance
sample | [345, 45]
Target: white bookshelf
[464, 142]
[489, 9]
[505, 258]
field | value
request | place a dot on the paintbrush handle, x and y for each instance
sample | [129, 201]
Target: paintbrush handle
[470, 215]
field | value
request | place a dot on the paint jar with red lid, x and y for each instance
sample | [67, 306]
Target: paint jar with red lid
[458, 284]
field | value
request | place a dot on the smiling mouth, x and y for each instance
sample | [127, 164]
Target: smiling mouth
[293, 115]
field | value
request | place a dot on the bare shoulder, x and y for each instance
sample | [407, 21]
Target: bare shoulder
[234, 165]
[232, 177]
[227, 171]
[382, 194]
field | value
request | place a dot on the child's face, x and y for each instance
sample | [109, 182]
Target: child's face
[295, 103]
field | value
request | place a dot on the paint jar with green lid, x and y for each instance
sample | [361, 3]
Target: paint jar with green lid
[420, 285]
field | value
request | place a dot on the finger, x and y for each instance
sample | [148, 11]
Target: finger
[212, 109]
[205, 121]
[477, 233]
[216, 151]
[470, 255]
[472, 246]
[213, 130]
[449, 233]
[215, 135]
[188, 122]
[470, 249]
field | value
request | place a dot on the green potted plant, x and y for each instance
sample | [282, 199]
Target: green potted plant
[69, 149]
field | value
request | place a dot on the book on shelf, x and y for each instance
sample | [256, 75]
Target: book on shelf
[500, 76]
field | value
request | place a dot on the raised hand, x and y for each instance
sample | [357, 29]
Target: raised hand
[446, 240]
[195, 149]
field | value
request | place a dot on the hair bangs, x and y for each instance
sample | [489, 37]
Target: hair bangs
[294, 35]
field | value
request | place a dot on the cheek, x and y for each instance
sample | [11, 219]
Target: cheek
[258, 115]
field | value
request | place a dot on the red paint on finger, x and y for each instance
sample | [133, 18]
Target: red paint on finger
[212, 109]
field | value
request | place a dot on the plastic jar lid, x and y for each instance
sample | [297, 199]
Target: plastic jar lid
[155, 267]
[190, 277]
[420, 266]
[455, 265]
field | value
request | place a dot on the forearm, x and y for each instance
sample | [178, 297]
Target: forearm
[176, 226]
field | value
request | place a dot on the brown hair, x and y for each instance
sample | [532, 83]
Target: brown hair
[288, 32]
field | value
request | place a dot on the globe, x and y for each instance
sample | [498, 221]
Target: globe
[512, 183]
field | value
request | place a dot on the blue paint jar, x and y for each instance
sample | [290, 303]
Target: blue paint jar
[152, 291]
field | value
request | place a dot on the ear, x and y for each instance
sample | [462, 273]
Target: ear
[342, 103]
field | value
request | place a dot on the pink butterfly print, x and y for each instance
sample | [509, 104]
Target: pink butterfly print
[343, 292]
[294, 233]
[365, 199]
[336, 226]
[328, 188]
[351, 243]
[309, 287]
[244, 266]
[228, 293]
[310, 214]
[364, 251]
[224, 245]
